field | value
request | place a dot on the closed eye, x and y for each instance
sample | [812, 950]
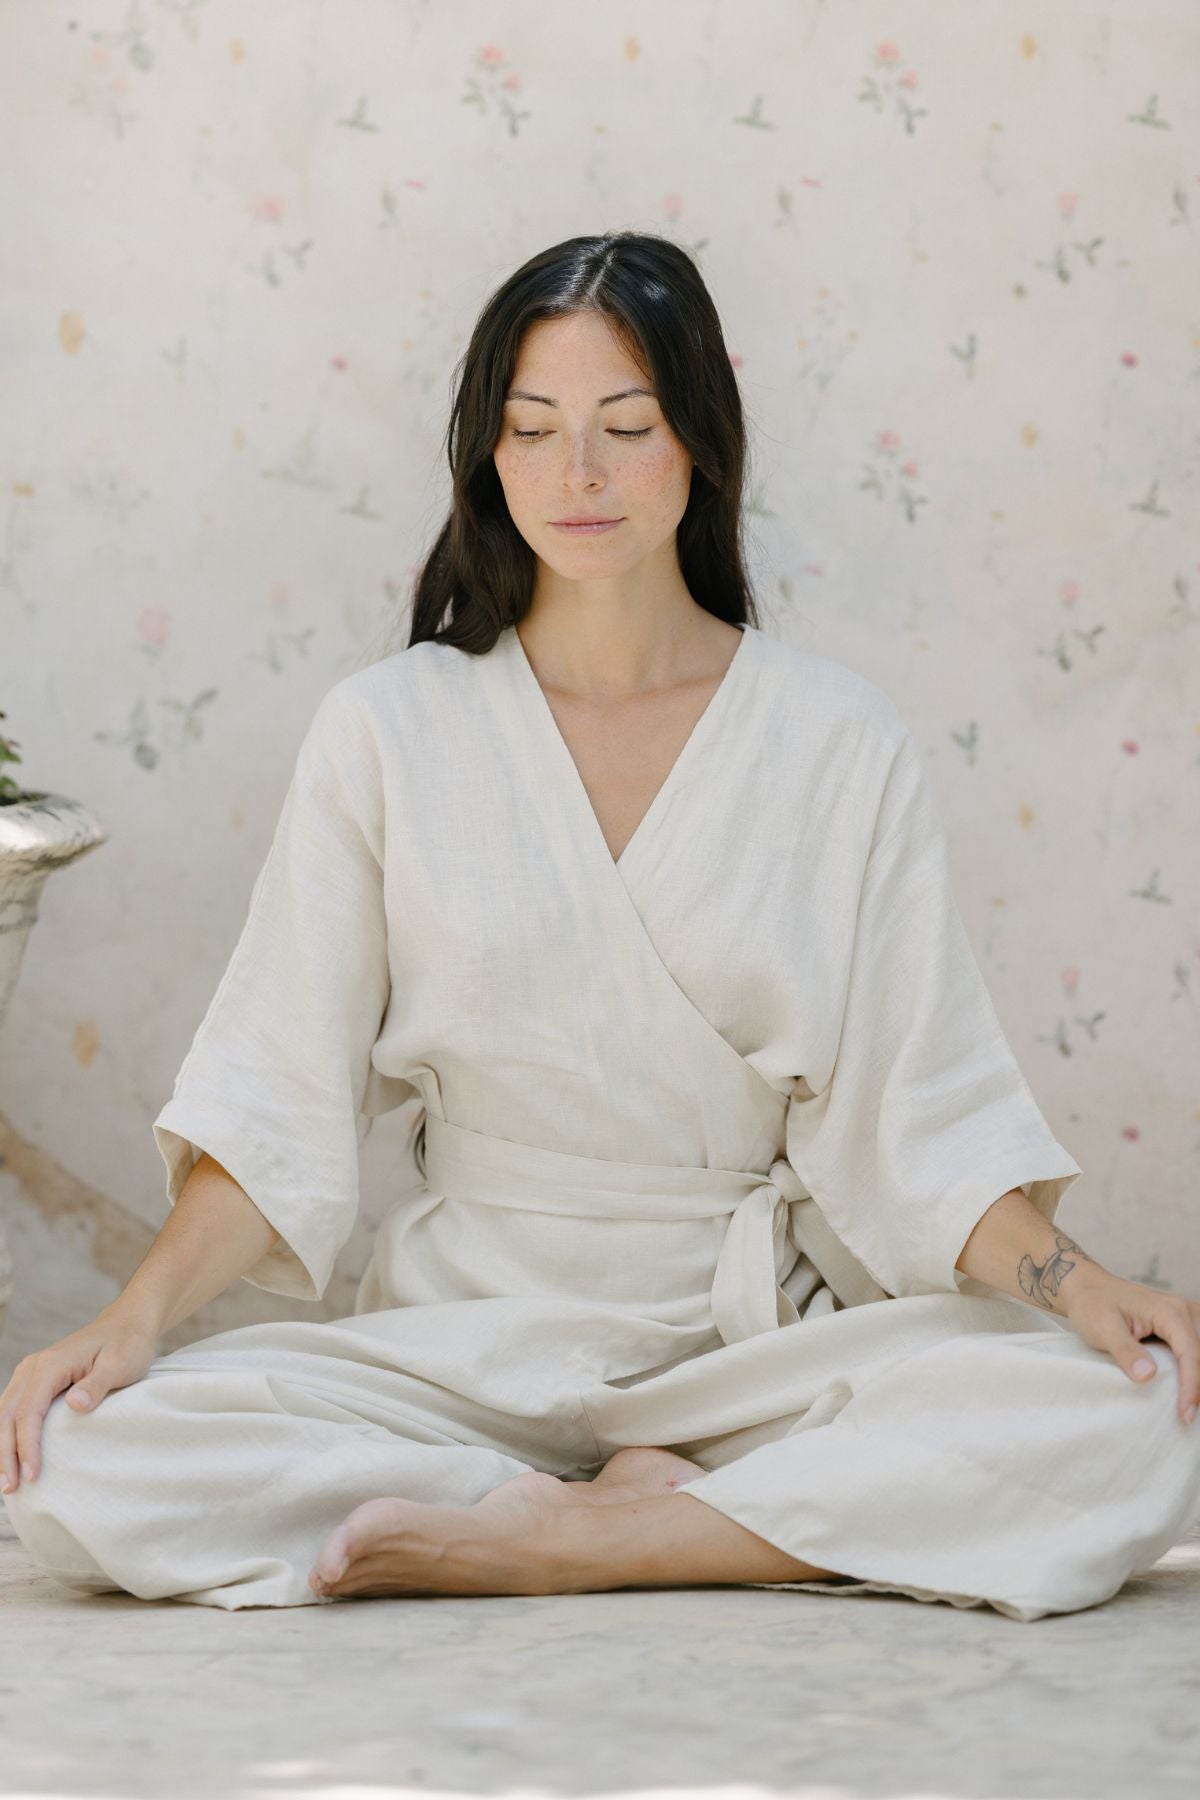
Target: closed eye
[530, 435]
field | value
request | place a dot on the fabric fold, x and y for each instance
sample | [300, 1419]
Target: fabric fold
[924, 1118]
[277, 1076]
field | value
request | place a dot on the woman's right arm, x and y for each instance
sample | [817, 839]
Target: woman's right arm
[275, 1080]
[213, 1234]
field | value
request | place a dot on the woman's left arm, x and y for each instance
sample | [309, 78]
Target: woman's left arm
[1016, 1249]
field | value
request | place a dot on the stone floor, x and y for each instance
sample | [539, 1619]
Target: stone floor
[727, 1693]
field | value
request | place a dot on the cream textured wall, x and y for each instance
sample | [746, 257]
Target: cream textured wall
[956, 254]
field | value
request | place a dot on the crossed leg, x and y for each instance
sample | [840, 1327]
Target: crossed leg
[536, 1534]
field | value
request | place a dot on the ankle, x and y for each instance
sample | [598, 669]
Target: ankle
[588, 1549]
[626, 1543]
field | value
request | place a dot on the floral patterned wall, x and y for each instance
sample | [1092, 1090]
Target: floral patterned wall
[956, 251]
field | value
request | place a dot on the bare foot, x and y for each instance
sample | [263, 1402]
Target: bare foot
[636, 1473]
[502, 1544]
[497, 1546]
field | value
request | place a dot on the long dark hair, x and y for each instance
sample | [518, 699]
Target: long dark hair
[479, 576]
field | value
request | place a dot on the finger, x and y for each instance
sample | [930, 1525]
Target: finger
[29, 1437]
[1184, 1340]
[16, 1468]
[8, 1453]
[1181, 1336]
[1173, 1324]
[30, 1421]
[89, 1386]
[1133, 1357]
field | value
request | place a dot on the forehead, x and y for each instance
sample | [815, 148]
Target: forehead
[577, 358]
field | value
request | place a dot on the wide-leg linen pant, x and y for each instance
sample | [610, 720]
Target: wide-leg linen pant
[942, 1447]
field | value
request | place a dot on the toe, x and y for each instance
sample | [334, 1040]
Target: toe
[354, 1537]
[332, 1560]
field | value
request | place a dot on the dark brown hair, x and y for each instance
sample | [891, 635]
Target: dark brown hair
[478, 578]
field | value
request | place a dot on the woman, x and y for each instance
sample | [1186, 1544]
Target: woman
[651, 914]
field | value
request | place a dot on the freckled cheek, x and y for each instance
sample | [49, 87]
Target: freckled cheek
[657, 480]
[650, 470]
[519, 478]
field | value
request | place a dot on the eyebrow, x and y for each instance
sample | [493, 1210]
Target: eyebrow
[608, 400]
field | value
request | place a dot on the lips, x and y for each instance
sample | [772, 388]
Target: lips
[583, 521]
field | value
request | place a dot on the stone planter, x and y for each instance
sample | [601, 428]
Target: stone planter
[38, 834]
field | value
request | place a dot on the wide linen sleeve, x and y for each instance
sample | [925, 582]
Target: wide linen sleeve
[924, 1117]
[274, 1082]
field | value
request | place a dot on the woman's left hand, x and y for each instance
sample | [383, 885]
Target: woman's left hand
[1113, 1314]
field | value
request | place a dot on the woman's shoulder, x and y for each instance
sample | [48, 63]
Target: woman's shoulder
[815, 689]
[392, 696]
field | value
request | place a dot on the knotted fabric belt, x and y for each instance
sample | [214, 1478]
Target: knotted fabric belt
[746, 1296]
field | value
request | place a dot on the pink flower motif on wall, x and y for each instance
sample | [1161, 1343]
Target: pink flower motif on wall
[1129, 359]
[1130, 1133]
[339, 363]
[1067, 204]
[1131, 747]
[1068, 591]
[890, 478]
[493, 87]
[152, 625]
[1069, 979]
[887, 90]
[672, 205]
[268, 209]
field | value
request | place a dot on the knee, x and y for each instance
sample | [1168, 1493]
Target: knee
[43, 1512]
[53, 1452]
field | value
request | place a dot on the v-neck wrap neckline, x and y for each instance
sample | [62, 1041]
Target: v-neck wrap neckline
[705, 724]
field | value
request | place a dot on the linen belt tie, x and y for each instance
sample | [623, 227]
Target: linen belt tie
[746, 1296]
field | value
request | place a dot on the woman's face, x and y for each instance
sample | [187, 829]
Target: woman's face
[586, 446]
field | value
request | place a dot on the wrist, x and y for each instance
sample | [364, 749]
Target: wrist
[1081, 1281]
[136, 1312]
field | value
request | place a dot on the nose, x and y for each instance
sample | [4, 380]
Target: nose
[584, 460]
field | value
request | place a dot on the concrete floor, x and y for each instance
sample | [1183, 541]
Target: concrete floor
[729, 1693]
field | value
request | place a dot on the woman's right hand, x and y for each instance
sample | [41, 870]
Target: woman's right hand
[114, 1351]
